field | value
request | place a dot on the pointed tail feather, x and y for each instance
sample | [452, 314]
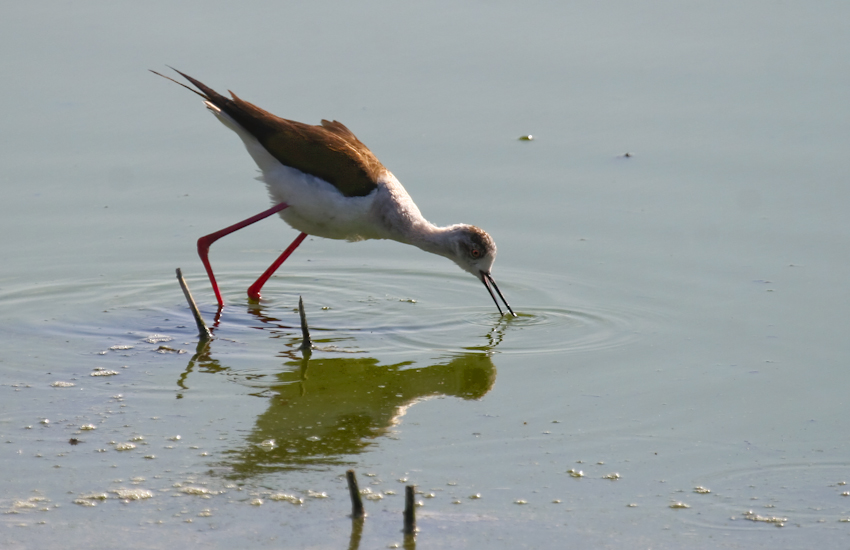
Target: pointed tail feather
[206, 92]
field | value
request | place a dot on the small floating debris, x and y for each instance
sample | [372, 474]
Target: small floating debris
[30, 503]
[627, 155]
[700, 490]
[679, 505]
[84, 502]
[157, 338]
[257, 502]
[476, 496]
[575, 473]
[133, 494]
[205, 513]
[100, 371]
[87, 427]
[120, 348]
[369, 495]
[268, 444]
[60, 384]
[201, 491]
[613, 477]
[315, 494]
[45, 422]
[169, 349]
[124, 447]
[94, 496]
[527, 137]
[520, 501]
[287, 498]
[752, 516]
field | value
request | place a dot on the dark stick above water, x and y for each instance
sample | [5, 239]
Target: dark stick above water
[307, 344]
[409, 511]
[203, 331]
[357, 511]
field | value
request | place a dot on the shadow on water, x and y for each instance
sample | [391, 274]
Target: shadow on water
[323, 409]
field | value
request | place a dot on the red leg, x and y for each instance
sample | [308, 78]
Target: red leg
[205, 242]
[254, 289]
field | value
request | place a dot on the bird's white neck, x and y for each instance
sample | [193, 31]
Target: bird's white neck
[437, 240]
[405, 223]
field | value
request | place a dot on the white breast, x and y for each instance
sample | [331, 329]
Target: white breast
[316, 207]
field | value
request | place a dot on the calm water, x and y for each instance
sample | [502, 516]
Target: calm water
[682, 313]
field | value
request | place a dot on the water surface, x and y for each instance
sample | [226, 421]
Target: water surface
[681, 308]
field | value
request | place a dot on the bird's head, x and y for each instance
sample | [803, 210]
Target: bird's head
[474, 251]
[471, 248]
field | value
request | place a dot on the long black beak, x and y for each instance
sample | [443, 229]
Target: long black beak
[490, 283]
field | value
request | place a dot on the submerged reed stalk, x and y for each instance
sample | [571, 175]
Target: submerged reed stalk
[307, 344]
[203, 331]
[357, 511]
[409, 511]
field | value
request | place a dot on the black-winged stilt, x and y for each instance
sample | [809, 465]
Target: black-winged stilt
[325, 182]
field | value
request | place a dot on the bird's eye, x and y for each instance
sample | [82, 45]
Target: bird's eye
[475, 253]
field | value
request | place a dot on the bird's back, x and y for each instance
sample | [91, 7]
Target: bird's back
[329, 151]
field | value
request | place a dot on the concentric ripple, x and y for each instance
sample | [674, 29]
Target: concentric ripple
[384, 311]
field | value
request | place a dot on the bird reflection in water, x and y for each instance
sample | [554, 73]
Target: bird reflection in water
[322, 408]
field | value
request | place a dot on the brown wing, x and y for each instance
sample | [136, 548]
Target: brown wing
[330, 151]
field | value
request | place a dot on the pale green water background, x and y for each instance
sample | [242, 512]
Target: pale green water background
[683, 310]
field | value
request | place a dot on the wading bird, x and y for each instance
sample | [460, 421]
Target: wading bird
[326, 183]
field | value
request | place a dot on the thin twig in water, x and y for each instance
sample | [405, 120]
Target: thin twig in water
[203, 331]
[409, 511]
[307, 344]
[357, 511]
